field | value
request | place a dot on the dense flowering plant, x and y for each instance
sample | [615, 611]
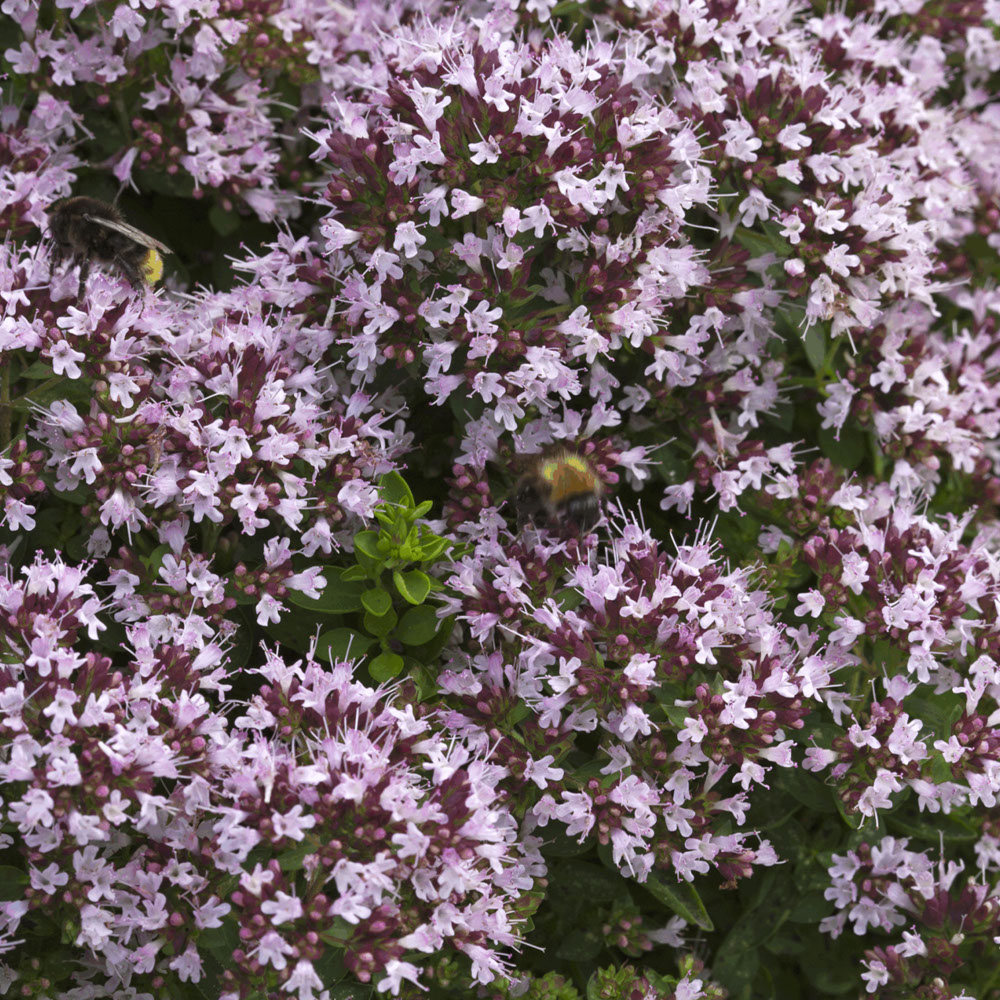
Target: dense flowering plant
[296, 702]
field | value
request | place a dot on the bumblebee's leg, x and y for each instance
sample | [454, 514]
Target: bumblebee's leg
[529, 507]
[84, 263]
[130, 271]
[525, 517]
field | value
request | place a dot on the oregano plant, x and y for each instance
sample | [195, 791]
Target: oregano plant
[538, 537]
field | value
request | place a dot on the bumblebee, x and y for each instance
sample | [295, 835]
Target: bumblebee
[86, 230]
[561, 490]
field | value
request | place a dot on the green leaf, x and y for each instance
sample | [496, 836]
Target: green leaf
[241, 648]
[848, 451]
[578, 946]
[568, 600]
[154, 560]
[934, 829]
[78, 496]
[292, 860]
[432, 546]
[220, 942]
[54, 526]
[887, 656]
[353, 573]
[676, 714]
[940, 769]
[393, 489]
[414, 585]
[757, 243]
[428, 652]
[337, 931]
[737, 959]
[762, 888]
[340, 644]
[559, 845]
[938, 713]
[782, 415]
[366, 543]
[380, 625]
[417, 626]
[367, 552]
[681, 897]
[810, 790]
[295, 630]
[785, 943]
[668, 693]
[223, 222]
[810, 908]
[591, 882]
[829, 970]
[339, 597]
[377, 601]
[760, 243]
[113, 637]
[13, 882]
[77, 547]
[37, 371]
[595, 986]
[385, 666]
[330, 969]
[815, 347]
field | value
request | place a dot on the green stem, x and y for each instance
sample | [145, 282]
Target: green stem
[210, 535]
[55, 380]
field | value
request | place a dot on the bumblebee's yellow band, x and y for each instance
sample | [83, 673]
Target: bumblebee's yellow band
[152, 266]
[568, 475]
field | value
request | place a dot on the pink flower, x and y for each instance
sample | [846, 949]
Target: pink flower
[811, 602]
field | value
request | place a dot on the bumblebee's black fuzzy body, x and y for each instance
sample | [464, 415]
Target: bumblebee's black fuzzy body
[86, 230]
[560, 492]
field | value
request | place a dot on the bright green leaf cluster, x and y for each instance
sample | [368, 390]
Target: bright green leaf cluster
[388, 587]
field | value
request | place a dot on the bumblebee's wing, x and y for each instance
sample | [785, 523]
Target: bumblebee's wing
[143, 239]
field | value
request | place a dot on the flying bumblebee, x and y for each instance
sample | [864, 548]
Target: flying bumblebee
[85, 230]
[561, 489]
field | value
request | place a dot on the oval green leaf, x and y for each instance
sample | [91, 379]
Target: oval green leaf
[376, 601]
[393, 489]
[385, 666]
[380, 625]
[339, 597]
[413, 585]
[417, 626]
[682, 898]
[366, 543]
[340, 644]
